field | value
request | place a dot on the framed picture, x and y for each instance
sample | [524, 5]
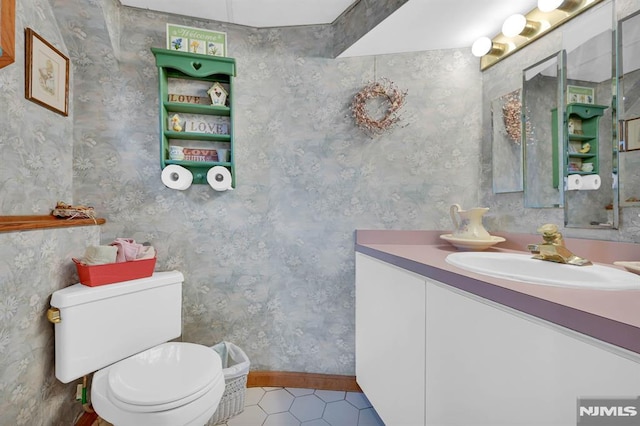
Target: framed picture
[196, 40]
[580, 95]
[632, 135]
[46, 74]
[7, 32]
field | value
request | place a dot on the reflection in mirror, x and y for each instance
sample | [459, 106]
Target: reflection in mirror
[588, 143]
[540, 98]
[507, 143]
[629, 113]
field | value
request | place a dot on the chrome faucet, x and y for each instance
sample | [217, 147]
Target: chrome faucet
[553, 248]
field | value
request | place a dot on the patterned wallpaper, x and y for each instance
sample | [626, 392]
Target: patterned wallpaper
[268, 266]
[33, 265]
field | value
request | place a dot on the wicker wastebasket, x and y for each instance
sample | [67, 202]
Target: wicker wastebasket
[235, 367]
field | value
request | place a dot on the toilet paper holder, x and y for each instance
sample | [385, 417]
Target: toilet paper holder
[200, 174]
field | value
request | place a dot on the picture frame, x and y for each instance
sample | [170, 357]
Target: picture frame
[632, 135]
[196, 40]
[7, 32]
[580, 95]
[46, 74]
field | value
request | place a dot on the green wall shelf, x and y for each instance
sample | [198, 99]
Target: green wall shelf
[580, 127]
[193, 72]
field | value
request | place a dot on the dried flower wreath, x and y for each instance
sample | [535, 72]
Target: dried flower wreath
[512, 117]
[391, 96]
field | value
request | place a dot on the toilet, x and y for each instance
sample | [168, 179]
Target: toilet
[121, 333]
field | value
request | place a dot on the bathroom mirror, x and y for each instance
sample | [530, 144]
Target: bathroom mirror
[629, 109]
[540, 84]
[507, 143]
[579, 76]
[589, 147]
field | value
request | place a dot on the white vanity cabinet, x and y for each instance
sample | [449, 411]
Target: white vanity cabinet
[430, 354]
[390, 340]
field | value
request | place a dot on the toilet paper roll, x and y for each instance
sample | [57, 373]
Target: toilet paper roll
[574, 182]
[177, 177]
[219, 178]
[591, 182]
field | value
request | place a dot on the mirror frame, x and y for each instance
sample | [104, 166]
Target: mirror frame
[538, 197]
[559, 57]
[612, 136]
[623, 122]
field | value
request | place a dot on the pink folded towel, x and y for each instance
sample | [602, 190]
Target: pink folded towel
[128, 250]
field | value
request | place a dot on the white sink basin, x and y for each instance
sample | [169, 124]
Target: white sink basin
[521, 267]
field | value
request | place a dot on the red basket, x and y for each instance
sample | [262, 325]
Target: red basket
[109, 273]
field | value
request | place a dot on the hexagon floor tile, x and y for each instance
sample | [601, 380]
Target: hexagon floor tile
[304, 407]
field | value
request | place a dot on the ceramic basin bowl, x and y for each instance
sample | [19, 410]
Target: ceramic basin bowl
[523, 268]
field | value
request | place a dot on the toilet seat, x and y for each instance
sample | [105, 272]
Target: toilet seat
[163, 377]
[157, 407]
[170, 384]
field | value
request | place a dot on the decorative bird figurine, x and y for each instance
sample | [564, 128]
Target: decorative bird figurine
[585, 148]
[175, 123]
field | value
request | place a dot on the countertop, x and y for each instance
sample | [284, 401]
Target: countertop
[612, 316]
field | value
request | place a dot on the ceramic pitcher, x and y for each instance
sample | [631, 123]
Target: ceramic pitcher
[470, 224]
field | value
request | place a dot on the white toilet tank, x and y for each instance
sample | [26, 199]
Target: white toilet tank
[102, 325]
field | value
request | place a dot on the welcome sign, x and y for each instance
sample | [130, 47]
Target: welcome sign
[196, 40]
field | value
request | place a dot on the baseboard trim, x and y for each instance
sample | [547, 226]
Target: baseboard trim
[87, 419]
[290, 379]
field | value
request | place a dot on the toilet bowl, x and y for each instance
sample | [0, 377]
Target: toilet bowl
[170, 384]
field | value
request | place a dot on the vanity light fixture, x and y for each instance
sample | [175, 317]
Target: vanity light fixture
[564, 5]
[519, 25]
[520, 30]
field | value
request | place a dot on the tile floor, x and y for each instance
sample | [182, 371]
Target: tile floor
[300, 407]
[304, 407]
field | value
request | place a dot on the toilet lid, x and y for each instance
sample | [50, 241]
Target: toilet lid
[163, 374]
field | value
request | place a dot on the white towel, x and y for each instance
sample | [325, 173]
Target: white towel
[99, 255]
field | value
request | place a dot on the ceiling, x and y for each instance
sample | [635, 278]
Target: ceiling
[416, 26]
[253, 13]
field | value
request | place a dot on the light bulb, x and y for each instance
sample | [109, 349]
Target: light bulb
[549, 5]
[481, 46]
[518, 24]
[563, 5]
[514, 25]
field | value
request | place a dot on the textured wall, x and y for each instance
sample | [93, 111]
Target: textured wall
[34, 264]
[270, 265]
[37, 144]
[37, 154]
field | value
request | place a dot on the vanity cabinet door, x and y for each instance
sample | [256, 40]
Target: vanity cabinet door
[487, 364]
[390, 340]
